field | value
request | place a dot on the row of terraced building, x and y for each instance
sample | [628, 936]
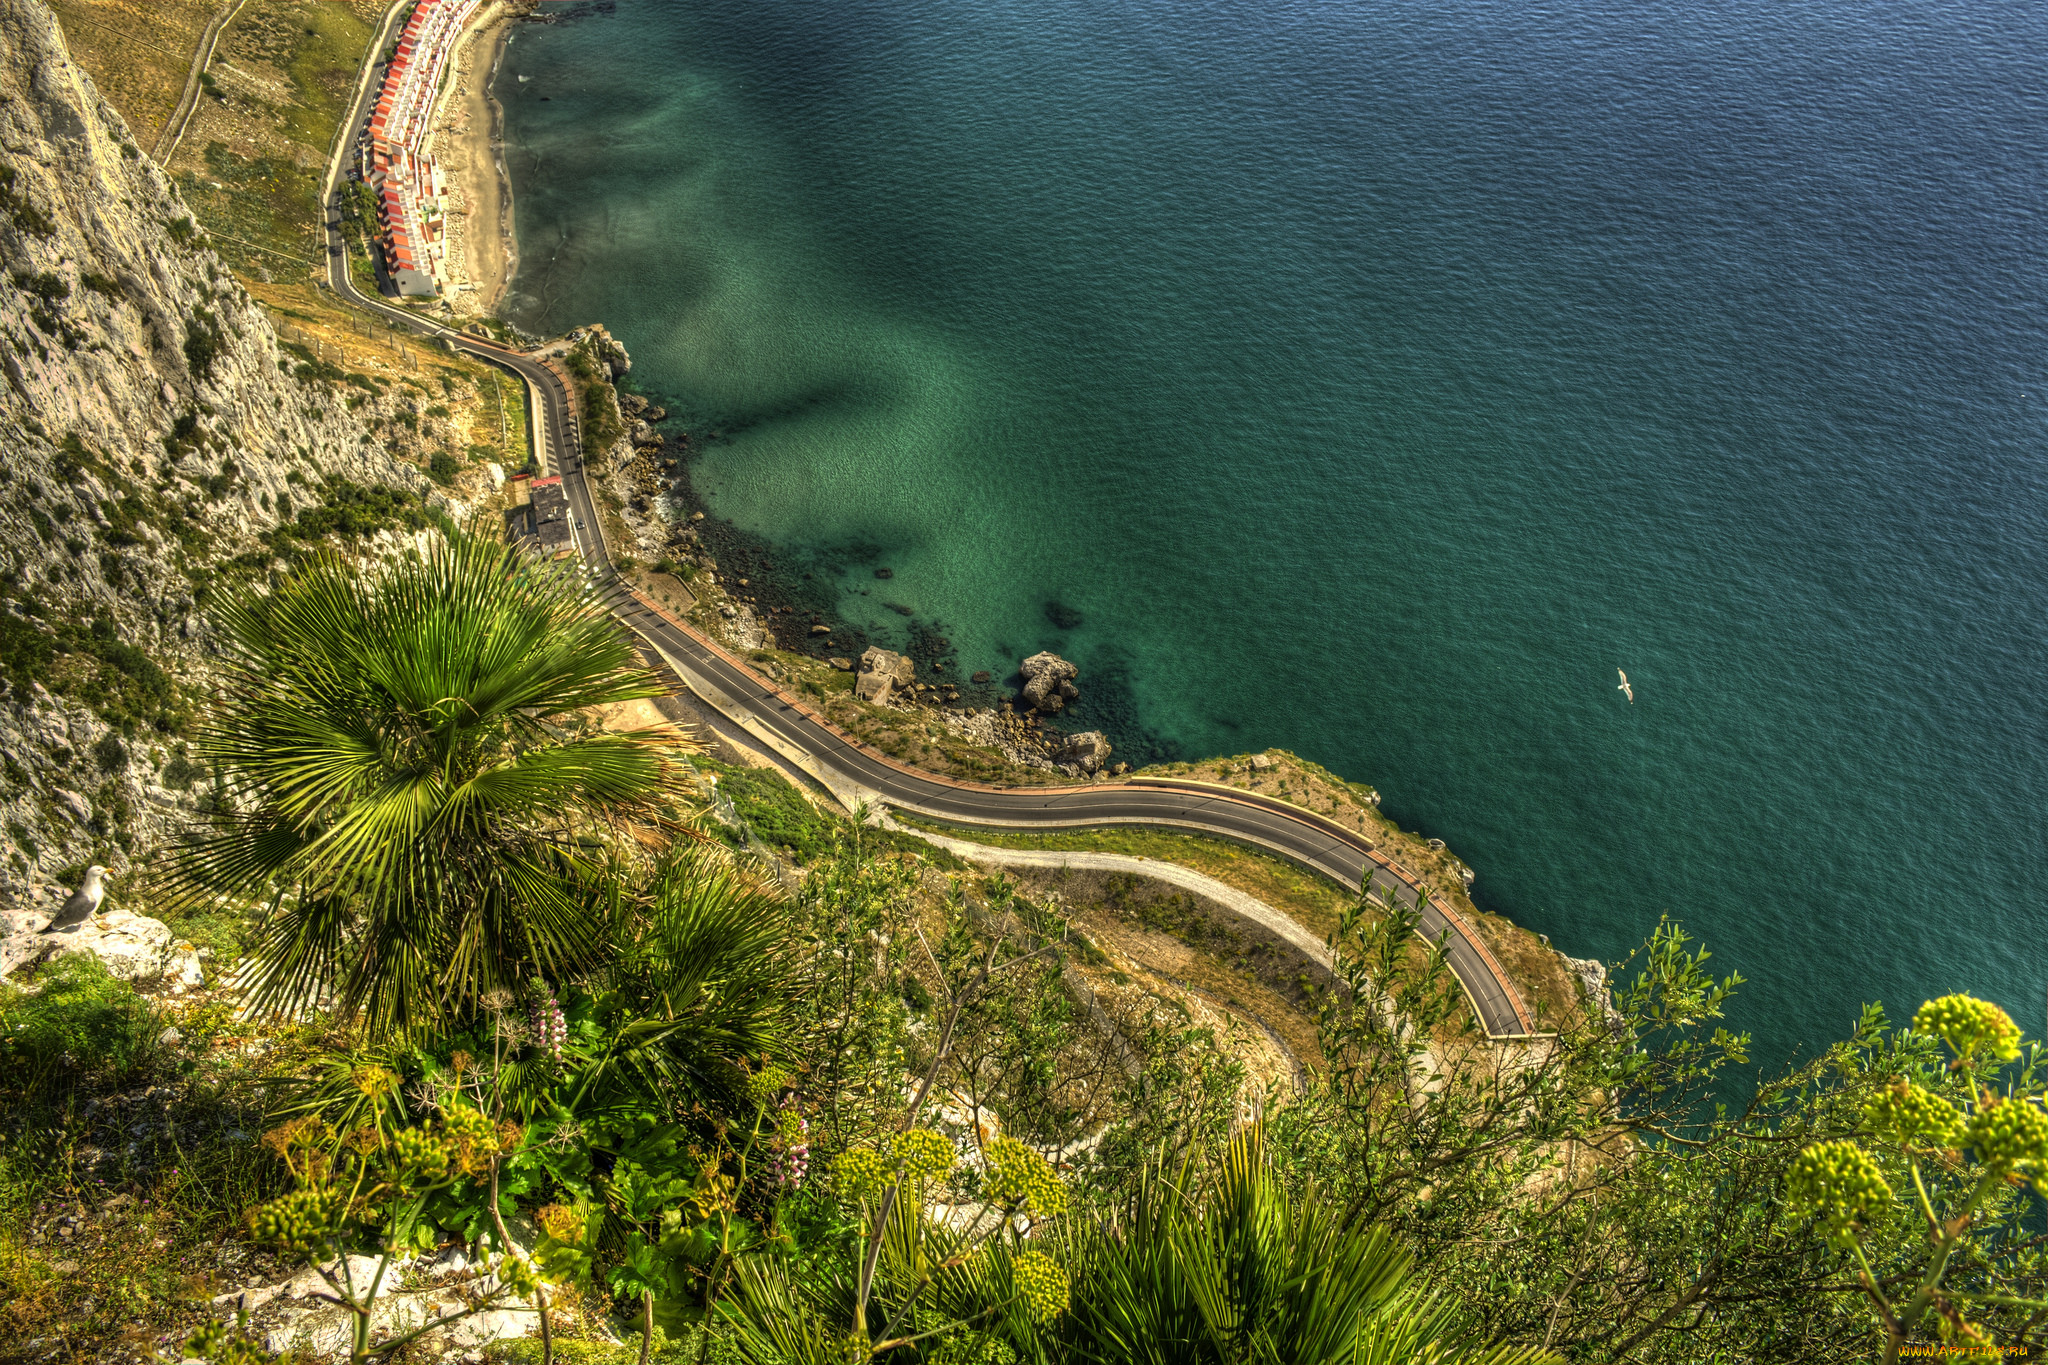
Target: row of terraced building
[411, 204]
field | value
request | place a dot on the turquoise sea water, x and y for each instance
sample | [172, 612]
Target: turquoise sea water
[1373, 380]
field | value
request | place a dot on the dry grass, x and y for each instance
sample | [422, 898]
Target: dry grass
[1311, 901]
[252, 156]
[137, 52]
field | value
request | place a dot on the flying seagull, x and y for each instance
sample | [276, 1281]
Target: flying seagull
[1625, 689]
[79, 909]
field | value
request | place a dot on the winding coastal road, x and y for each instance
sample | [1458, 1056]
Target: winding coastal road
[856, 774]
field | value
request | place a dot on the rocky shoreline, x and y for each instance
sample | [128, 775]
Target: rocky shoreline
[754, 599]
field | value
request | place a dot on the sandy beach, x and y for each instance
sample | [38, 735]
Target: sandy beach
[468, 136]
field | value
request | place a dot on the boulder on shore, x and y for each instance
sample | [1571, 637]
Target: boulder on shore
[1048, 682]
[882, 672]
[1087, 751]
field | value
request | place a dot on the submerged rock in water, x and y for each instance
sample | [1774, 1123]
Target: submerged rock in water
[1048, 682]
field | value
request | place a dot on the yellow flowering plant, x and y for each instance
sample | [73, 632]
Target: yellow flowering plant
[944, 1256]
[1969, 1172]
[364, 1191]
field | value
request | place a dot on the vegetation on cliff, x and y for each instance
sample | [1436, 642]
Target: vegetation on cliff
[802, 1094]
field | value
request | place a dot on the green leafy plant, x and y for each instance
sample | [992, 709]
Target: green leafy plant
[1219, 1266]
[366, 1191]
[1970, 1157]
[407, 788]
[79, 1020]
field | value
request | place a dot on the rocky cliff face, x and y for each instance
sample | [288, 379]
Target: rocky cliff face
[154, 433]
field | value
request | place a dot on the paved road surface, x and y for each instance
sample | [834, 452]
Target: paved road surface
[855, 773]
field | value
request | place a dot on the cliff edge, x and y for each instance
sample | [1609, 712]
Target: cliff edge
[160, 444]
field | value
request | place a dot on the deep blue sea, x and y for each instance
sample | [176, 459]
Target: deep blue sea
[1374, 380]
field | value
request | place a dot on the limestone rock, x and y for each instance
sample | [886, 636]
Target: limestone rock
[843, 665]
[1261, 762]
[130, 946]
[882, 673]
[137, 379]
[288, 1314]
[1087, 751]
[1048, 682]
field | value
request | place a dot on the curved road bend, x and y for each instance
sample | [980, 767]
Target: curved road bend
[856, 773]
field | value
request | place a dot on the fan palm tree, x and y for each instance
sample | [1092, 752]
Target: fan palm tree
[1209, 1265]
[1224, 1268]
[696, 989]
[409, 781]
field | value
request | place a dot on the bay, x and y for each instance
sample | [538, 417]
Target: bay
[1373, 380]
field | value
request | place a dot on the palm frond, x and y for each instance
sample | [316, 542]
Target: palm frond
[395, 759]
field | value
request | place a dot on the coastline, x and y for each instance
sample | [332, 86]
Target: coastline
[470, 128]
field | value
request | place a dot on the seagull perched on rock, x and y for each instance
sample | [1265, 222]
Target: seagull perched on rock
[84, 901]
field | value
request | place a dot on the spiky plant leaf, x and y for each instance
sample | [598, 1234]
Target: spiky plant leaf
[404, 776]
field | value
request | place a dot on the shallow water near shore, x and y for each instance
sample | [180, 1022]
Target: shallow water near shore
[1374, 381]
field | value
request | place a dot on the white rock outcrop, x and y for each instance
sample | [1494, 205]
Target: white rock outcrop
[1085, 752]
[883, 673]
[133, 947]
[290, 1315]
[154, 425]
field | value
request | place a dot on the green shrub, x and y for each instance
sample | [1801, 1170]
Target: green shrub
[204, 342]
[227, 932]
[25, 653]
[442, 467]
[44, 285]
[80, 1023]
[112, 754]
[26, 215]
[776, 812]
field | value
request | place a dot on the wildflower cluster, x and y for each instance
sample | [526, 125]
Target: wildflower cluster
[473, 1140]
[765, 1084]
[1969, 1026]
[418, 1157]
[561, 1222]
[302, 1223]
[550, 1027]
[861, 1172]
[2010, 1136]
[919, 1154]
[1838, 1183]
[1914, 1118]
[922, 1154]
[1041, 1284]
[790, 1159]
[375, 1081]
[1022, 1178]
[351, 1177]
